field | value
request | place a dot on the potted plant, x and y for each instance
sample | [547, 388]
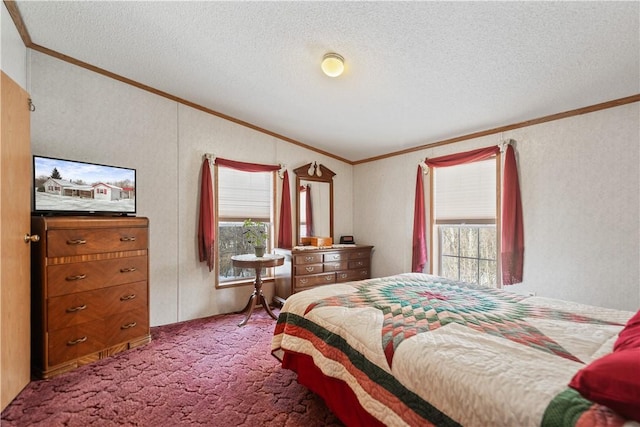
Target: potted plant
[255, 233]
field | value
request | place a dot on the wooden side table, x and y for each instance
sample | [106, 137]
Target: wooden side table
[258, 263]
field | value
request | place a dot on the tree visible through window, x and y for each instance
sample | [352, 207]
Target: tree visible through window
[241, 195]
[468, 253]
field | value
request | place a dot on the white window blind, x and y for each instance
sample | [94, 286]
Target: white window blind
[244, 194]
[466, 191]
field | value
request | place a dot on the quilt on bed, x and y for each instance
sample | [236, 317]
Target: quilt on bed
[418, 349]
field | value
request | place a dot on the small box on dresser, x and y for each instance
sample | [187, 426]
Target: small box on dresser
[89, 290]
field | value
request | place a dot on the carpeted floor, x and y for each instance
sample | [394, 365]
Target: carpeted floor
[201, 372]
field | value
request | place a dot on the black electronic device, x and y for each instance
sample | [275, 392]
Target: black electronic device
[347, 240]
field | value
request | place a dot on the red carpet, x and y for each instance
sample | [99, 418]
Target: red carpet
[202, 372]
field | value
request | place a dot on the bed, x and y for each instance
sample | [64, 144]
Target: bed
[415, 349]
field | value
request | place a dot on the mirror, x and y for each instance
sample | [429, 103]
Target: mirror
[314, 201]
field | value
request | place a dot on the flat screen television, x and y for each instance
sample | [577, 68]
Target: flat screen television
[72, 187]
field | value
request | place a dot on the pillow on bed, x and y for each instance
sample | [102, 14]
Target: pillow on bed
[614, 381]
[629, 337]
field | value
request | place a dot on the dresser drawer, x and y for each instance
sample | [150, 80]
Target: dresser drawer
[126, 326]
[303, 269]
[69, 242]
[307, 259]
[334, 256]
[365, 253]
[75, 341]
[132, 296]
[314, 280]
[358, 263]
[74, 309]
[349, 275]
[335, 266]
[82, 307]
[65, 279]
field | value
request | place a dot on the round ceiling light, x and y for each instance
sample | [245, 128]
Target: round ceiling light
[332, 64]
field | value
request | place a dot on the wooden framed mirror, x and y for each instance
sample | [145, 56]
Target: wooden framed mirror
[314, 188]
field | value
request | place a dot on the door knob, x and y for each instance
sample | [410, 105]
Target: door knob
[34, 238]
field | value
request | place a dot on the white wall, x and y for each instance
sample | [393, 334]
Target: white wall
[86, 116]
[580, 187]
[13, 53]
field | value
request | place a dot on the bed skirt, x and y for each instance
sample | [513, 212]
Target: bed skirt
[336, 394]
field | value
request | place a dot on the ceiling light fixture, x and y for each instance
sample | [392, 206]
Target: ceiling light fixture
[332, 64]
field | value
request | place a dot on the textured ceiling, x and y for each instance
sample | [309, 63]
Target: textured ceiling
[416, 72]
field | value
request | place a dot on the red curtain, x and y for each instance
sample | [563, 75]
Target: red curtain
[512, 246]
[309, 212]
[246, 167]
[206, 220]
[419, 256]
[285, 238]
[512, 239]
[460, 158]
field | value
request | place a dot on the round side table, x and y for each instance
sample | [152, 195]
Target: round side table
[257, 263]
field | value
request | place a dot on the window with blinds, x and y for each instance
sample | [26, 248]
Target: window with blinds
[466, 191]
[465, 238]
[241, 195]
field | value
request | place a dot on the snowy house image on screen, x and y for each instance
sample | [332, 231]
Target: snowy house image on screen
[61, 187]
[107, 192]
[72, 186]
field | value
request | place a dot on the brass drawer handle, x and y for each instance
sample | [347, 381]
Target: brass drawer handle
[127, 270]
[343, 275]
[76, 242]
[335, 257]
[308, 258]
[127, 297]
[78, 341]
[309, 269]
[78, 308]
[328, 278]
[364, 273]
[304, 281]
[78, 277]
[359, 263]
[128, 239]
[128, 325]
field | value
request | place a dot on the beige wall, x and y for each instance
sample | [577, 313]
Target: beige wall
[86, 116]
[580, 187]
[579, 179]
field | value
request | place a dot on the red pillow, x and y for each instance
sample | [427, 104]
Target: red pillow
[629, 337]
[614, 381]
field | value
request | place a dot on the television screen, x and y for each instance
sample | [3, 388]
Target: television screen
[73, 187]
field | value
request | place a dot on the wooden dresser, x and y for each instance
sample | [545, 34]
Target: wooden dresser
[317, 267]
[89, 290]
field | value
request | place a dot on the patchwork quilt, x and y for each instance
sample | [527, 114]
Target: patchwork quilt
[417, 349]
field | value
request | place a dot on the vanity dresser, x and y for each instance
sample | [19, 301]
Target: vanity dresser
[316, 261]
[317, 267]
[89, 290]
[309, 268]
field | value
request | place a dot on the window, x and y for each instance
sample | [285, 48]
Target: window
[468, 253]
[464, 232]
[241, 195]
